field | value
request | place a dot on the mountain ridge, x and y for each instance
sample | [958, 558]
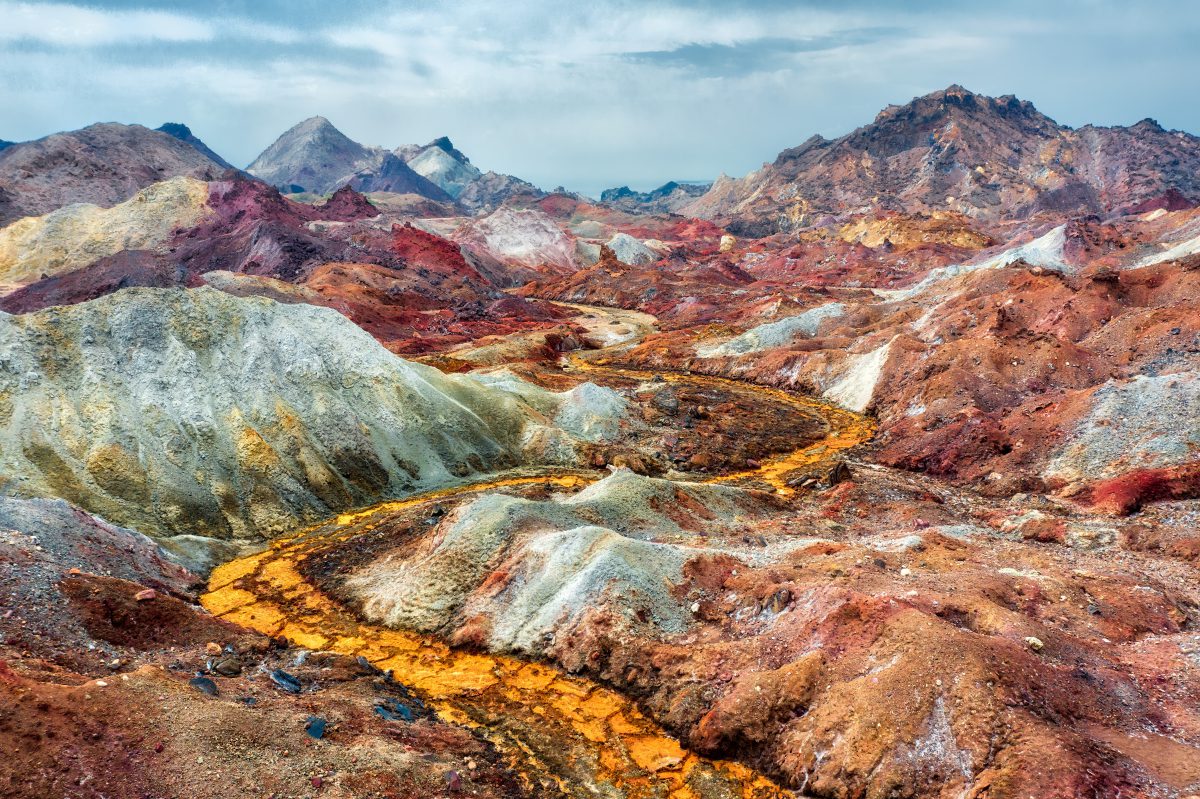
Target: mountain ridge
[989, 158]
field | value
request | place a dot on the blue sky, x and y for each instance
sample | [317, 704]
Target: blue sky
[587, 95]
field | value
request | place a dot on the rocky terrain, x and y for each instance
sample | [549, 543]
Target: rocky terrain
[366, 472]
[114, 682]
[754, 633]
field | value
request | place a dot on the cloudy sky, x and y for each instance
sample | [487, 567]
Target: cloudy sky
[587, 95]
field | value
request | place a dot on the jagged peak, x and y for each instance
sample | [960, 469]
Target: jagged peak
[957, 98]
[609, 195]
[444, 144]
[176, 129]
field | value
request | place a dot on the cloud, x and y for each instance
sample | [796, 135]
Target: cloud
[77, 26]
[73, 26]
[755, 55]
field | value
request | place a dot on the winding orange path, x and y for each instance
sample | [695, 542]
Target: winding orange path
[560, 732]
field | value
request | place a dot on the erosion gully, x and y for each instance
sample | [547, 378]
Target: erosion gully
[565, 735]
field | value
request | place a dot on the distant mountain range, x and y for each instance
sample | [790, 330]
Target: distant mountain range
[988, 158]
[108, 163]
[991, 159]
[667, 198]
[314, 156]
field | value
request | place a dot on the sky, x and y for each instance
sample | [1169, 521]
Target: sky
[586, 95]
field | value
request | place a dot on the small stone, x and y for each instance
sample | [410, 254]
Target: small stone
[471, 765]
[839, 474]
[905, 572]
[453, 780]
[204, 685]
[779, 600]
[146, 595]
[101, 684]
[1035, 643]
[317, 782]
[695, 607]
[315, 727]
[286, 682]
[230, 666]
[213, 648]
[158, 747]
[74, 571]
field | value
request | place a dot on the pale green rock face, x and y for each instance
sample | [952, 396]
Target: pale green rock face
[193, 412]
[450, 174]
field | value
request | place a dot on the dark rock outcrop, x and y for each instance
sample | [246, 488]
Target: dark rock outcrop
[184, 133]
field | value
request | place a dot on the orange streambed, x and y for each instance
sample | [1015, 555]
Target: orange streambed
[563, 734]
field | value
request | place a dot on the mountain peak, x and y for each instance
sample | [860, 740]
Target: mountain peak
[956, 99]
[957, 90]
[314, 126]
[315, 156]
[444, 144]
[180, 131]
[176, 129]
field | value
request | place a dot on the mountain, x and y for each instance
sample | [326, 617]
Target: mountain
[395, 176]
[441, 163]
[314, 156]
[666, 199]
[476, 191]
[102, 164]
[989, 158]
[184, 133]
[6, 144]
